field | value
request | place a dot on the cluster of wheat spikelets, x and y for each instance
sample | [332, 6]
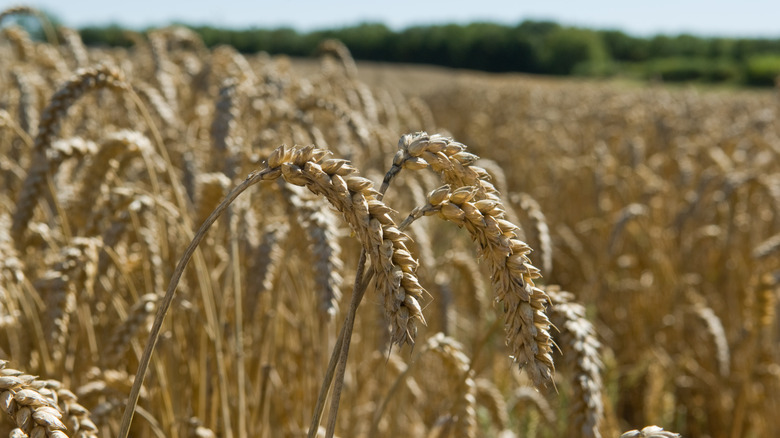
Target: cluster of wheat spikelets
[655, 209]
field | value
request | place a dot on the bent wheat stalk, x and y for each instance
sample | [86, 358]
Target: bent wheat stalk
[392, 265]
[41, 166]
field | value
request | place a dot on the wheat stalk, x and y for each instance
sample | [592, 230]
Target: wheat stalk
[393, 267]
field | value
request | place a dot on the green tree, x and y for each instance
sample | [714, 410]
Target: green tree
[566, 48]
[622, 47]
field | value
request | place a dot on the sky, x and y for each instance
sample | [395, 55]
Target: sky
[745, 18]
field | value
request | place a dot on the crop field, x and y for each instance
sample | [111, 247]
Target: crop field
[315, 248]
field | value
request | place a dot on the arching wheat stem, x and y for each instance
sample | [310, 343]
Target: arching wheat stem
[391, 263]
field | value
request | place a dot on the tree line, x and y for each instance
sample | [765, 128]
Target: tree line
[540, 47]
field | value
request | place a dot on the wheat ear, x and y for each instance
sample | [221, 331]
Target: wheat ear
[463, 416]
[338, 50]
[48, 29]
[23, 45]
[137, 321]
[318, 224]
[42, 408]
[41, 166]
[526, 324]
[76, 46]
[28, 100]
[489, 397]
[73, 273]
[512, 273]
[581, 351]
[534, 211]
[393, 267]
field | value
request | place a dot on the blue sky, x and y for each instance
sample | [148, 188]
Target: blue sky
[709, 18]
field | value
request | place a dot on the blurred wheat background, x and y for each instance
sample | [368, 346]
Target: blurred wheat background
[652, 214]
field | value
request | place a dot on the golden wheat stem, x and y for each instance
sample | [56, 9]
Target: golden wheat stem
[168, 299]
[235, 263]
[332, 364]
[353, 195]
[357, 297]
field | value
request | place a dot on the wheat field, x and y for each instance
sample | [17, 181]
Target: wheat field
[285, 248]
